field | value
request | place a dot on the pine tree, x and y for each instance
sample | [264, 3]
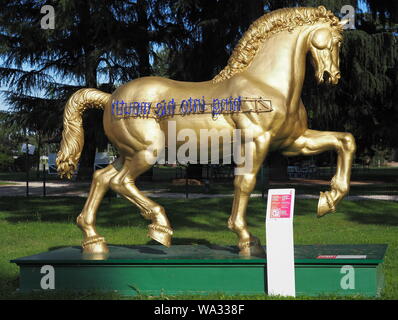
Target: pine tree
[92, 40]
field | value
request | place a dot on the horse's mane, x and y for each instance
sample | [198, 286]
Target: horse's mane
[270, 24]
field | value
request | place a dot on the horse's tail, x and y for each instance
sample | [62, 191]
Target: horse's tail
[73, 133]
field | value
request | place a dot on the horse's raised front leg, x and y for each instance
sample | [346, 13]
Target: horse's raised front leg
[313, 142]
[244, 184]
[92, 241]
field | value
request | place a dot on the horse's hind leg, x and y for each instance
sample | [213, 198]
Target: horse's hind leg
[124, 183]
[92, 241]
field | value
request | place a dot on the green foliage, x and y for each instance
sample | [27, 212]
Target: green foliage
[10, 138]
[161, 65]
[211, 29]
[6, 161]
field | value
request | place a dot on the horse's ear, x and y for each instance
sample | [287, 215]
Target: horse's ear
[321, 38]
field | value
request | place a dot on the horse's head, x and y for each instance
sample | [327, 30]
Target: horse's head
[325, 44]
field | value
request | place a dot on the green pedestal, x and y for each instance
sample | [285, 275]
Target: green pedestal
[201, 270]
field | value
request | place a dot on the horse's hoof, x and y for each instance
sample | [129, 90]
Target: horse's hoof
[255, 251]
[251, 248]
[95, 245]
[325, 204]
[161, 234]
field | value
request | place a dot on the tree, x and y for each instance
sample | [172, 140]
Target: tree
[200, 52]
[11, 137]
[92, 40]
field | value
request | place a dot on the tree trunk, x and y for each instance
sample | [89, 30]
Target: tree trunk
[144, 67]
[394, 156]
[38, 140]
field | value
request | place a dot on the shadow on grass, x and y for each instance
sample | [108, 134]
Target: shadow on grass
[205, 214]
[54, 209]
[62, 247]
[367, 212]
[202, 214]
[372, 212]
[154, 247]
[184, 241]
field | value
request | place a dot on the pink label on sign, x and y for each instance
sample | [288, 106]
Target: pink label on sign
[342, 256]
[280, 205]
[327, 257]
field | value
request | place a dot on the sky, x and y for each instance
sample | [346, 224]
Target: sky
[3, 104]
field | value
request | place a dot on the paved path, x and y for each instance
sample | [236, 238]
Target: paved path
[53, 188]
[80, 189]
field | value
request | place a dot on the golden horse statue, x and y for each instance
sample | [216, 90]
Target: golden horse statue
[269, 61]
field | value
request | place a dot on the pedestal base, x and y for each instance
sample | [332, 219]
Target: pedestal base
[191, 269]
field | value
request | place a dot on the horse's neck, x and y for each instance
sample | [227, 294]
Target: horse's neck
[280, 64]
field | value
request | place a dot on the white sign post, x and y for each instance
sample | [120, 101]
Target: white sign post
[280, 244]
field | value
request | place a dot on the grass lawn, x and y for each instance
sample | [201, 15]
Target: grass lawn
[3, 183]
[30, 226]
